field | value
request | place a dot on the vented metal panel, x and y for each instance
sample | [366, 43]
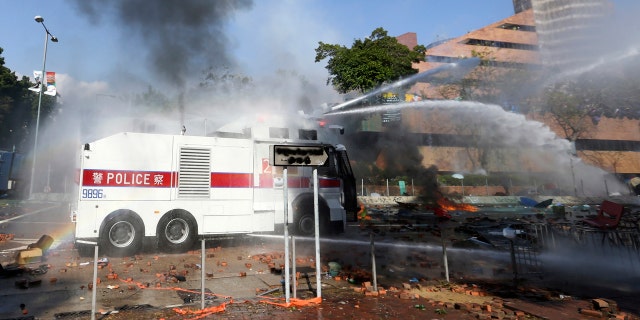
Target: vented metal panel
[194, 178]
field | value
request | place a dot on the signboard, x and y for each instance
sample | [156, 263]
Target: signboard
[292, 155]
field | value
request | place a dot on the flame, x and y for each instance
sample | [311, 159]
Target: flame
[445, 205]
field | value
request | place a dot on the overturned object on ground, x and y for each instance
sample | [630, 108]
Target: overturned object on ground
[28, 256]
[44, 243]
[35, 251]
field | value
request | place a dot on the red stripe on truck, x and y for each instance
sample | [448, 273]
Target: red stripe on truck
[231, 180]
[151, 179]
[119, 178]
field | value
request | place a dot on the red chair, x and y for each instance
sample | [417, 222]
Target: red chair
[608, 217]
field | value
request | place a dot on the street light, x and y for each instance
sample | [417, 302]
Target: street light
[43, 76]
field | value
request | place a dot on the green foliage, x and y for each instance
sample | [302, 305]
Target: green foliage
[18, 109]
[368, 63]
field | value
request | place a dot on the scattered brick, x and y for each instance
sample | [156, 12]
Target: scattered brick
[482, 316]
[461, 306]
[406, 295]
[497, 314]
[6, 236]
[591, 313]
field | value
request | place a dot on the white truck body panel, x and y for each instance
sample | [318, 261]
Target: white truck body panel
[227, 184]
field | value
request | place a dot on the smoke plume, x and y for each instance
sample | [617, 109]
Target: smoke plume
[176, 37]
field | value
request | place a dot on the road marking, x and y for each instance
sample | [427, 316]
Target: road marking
[28, 214]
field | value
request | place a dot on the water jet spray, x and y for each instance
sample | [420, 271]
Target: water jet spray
[458, 69]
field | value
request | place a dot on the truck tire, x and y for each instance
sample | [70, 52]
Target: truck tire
[122, 235]
[304, 221]
[177, 231]
[304, 224]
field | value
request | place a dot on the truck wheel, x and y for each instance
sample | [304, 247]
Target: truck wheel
[177, 231]
[122, 235]
[304, 221]
[305, 224]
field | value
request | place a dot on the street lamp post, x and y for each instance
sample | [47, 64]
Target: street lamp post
[43, 81]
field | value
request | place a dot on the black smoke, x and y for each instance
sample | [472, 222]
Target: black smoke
[177, 38]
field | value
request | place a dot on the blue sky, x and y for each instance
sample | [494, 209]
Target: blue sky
[271, 35]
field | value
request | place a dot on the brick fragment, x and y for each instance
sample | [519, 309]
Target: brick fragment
[461, 306]
[599, 304]
[406, 295]
[482, 316]
[591, 313]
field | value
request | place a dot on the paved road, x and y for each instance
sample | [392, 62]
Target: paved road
[238, 268]
[30, 221]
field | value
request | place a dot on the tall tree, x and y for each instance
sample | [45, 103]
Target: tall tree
[17, 109]
[369, 63]
[570, 111]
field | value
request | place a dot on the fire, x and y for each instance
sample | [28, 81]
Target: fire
[445, 205]
[448, 205]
